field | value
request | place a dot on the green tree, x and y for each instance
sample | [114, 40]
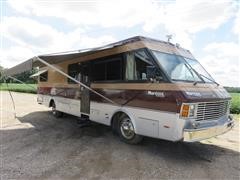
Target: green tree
[1, 73]
[25, 77]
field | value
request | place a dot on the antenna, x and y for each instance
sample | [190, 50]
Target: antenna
[177, 45]
[169, 37]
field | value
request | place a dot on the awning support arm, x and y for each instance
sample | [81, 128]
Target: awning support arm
[21, 82]
[73, 79]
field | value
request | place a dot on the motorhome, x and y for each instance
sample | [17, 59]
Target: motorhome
[140, 87]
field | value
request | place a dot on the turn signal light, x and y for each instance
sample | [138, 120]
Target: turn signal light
[185, 107]
[185, 110]
[184, 114]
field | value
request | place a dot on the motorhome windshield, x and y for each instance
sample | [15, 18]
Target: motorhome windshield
[179, 68]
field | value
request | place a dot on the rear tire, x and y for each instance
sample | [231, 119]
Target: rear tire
[56, 113]
[126, 130]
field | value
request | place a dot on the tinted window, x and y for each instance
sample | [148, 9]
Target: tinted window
[98, 71]
[113, 70]
[109, 69]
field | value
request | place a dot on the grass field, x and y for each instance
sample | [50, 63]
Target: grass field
[235, 105]
[29, 88]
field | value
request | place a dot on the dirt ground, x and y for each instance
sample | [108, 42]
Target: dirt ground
[35, 145]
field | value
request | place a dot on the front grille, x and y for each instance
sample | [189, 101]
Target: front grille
[212, 110]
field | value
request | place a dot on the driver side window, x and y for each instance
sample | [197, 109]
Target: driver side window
[136, 65]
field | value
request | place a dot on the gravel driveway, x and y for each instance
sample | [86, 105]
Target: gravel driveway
[35, 145]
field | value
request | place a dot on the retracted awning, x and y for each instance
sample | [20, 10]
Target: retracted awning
[38, 73]
[20, 68]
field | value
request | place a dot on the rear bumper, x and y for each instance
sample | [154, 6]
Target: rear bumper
[192, 135]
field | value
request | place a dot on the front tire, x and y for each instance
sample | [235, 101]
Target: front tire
[56, 113]
[126, 131]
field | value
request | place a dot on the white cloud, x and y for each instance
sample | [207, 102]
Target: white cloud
[224, 49]
[223, 62]
[104, 13]
[33, 38]
[186, 15]
[14, 55]
[236, 27]
[194, 16]
[29, 33]
[182, 18]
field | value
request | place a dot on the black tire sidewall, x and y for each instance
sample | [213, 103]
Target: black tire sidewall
[56, 113]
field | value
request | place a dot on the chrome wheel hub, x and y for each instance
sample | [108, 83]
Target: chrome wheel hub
[127, 129]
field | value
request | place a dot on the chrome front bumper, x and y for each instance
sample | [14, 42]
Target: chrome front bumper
[192, 135]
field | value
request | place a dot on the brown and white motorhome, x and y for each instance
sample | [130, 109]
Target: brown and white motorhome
[139, 87]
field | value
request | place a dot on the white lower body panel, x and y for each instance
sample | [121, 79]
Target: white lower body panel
[147, 122]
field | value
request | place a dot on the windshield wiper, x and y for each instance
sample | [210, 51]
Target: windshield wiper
[209, 79]
[191, 69]
[201, 75]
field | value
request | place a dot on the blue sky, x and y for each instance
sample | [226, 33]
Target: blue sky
[209, 29]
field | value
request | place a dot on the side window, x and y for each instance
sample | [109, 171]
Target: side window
[136, 65]
[114, 70]
[43, 77]
[109, 69]
[98, 71]
[74, 71]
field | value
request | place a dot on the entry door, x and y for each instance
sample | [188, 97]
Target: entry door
[85, 94]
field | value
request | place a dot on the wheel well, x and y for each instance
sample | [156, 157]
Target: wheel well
[51, 103]
[115, 118]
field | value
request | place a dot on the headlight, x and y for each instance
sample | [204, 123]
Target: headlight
[188, 110]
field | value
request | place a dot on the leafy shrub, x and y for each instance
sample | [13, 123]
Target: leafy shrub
[235, 104]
